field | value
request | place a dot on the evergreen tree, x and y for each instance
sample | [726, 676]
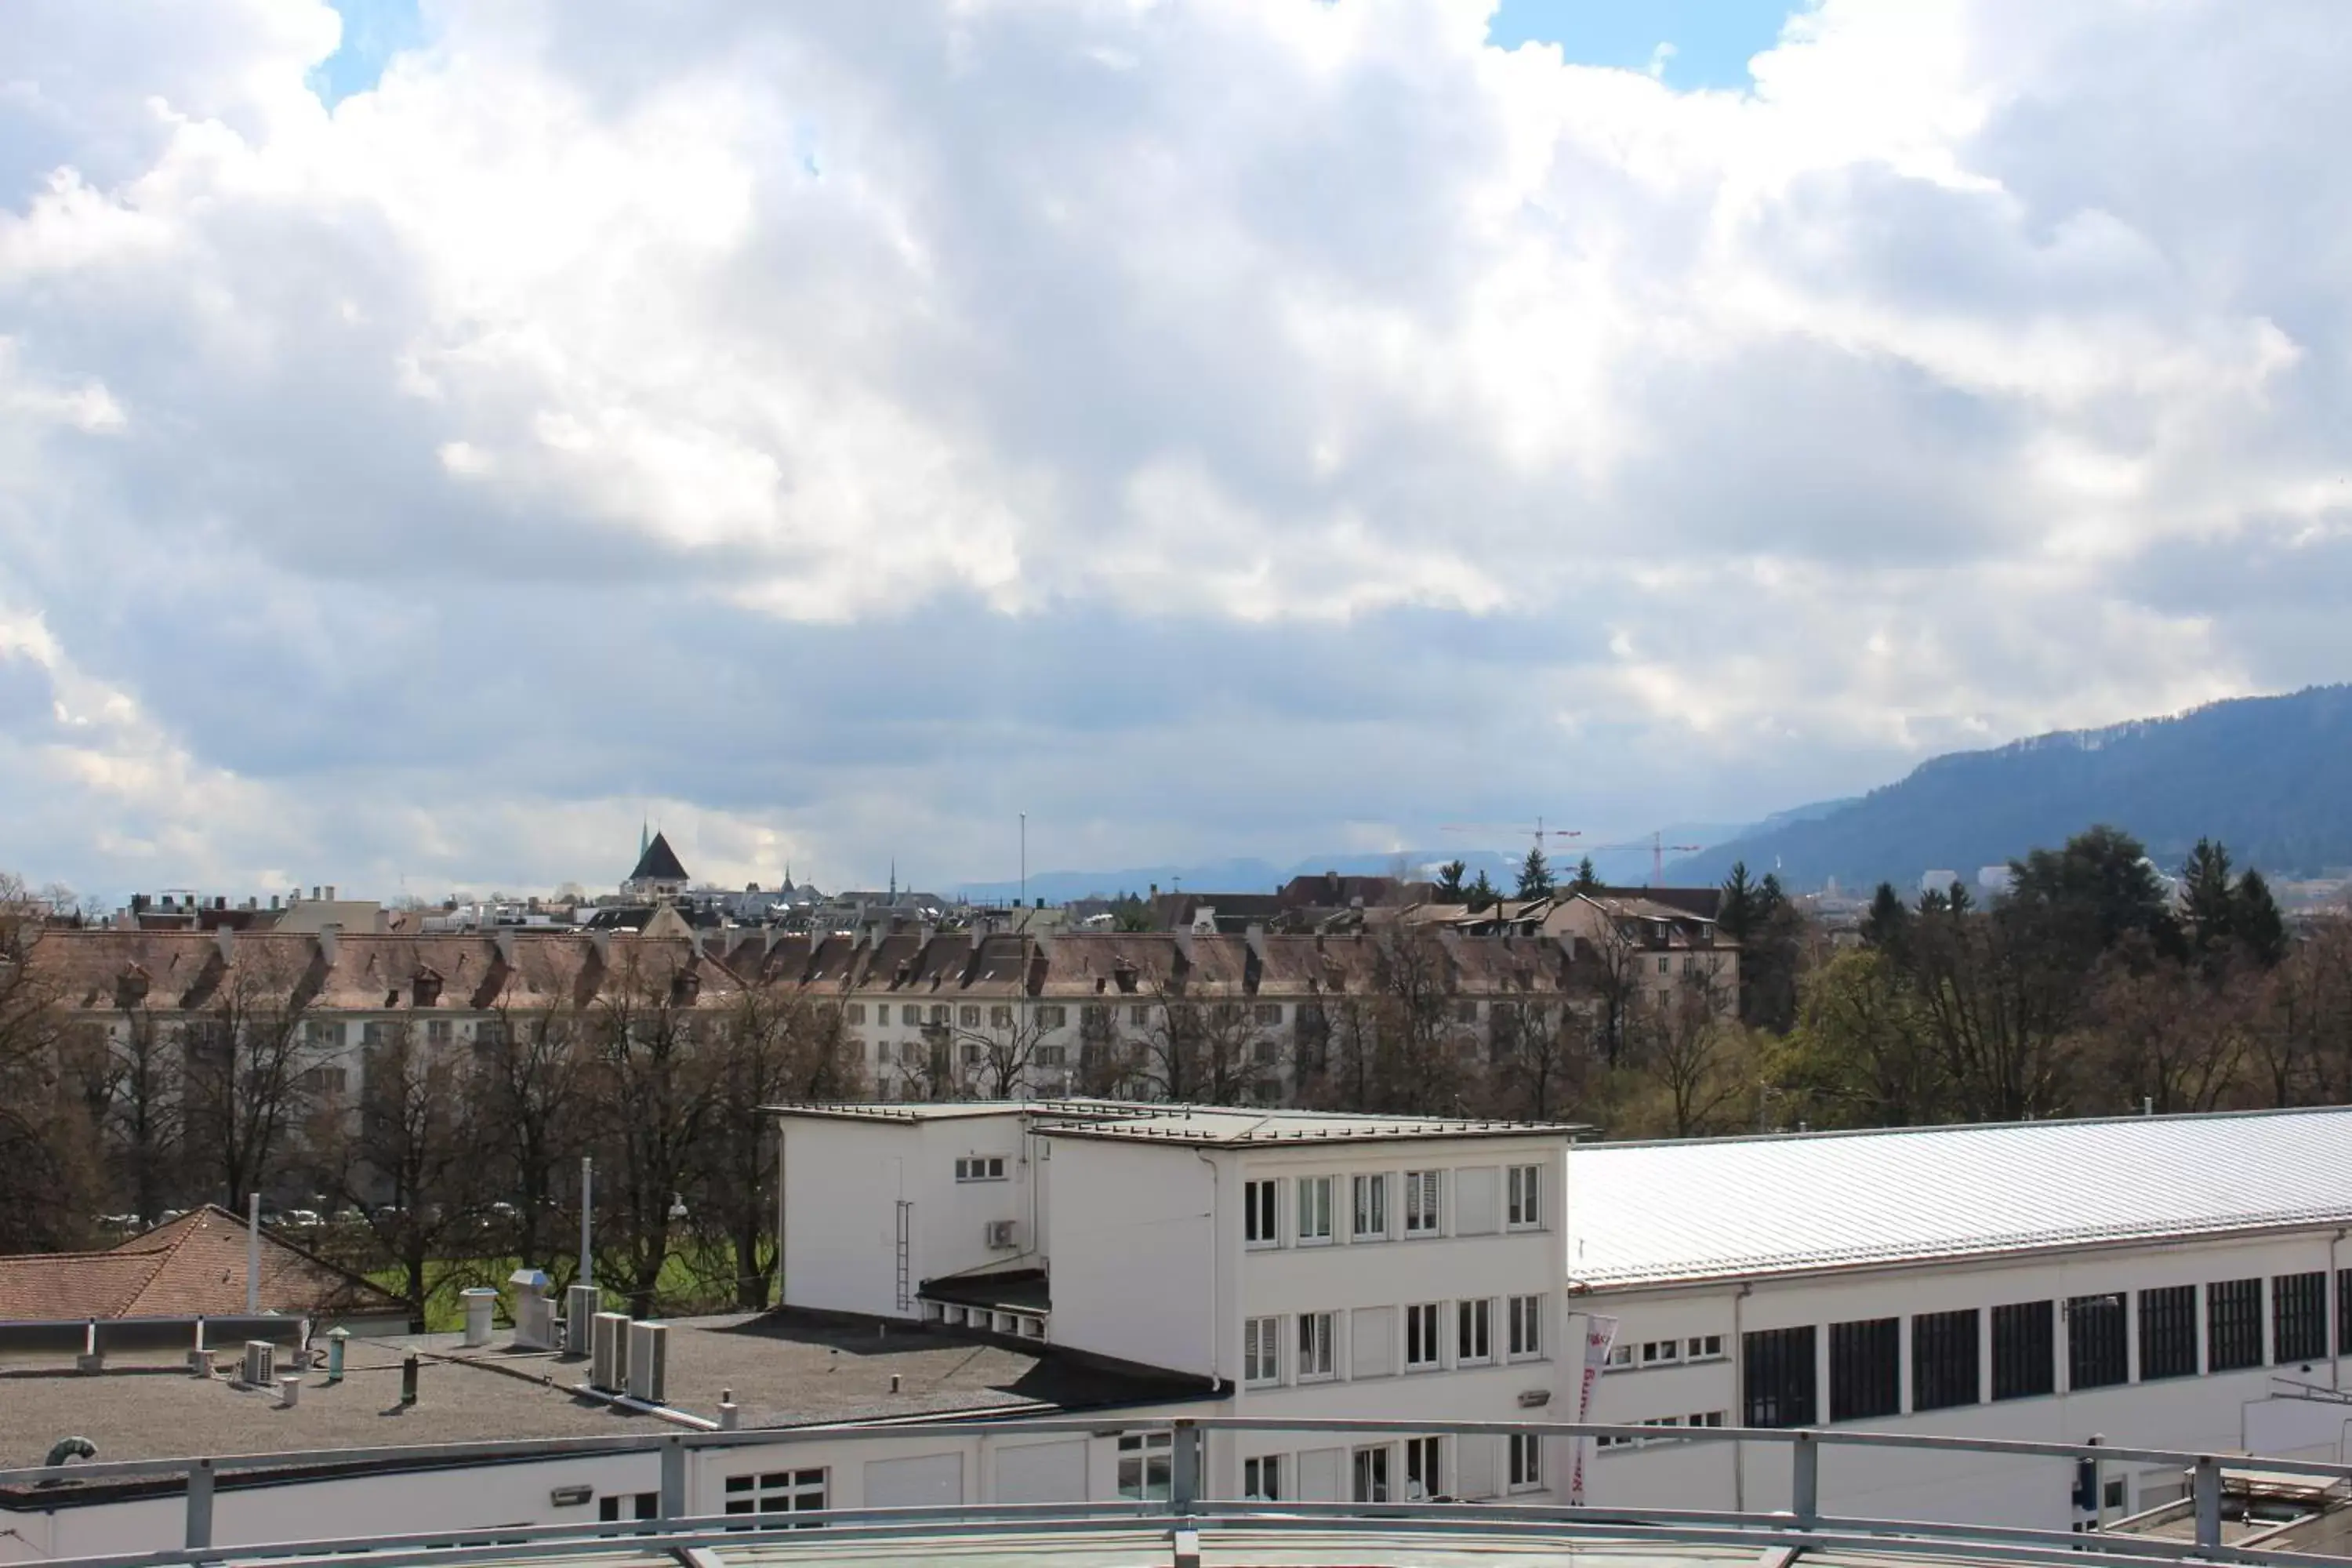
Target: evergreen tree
[2255, 916]
[1534, 874]
[2094, 893]
[1735, 916]
[1481, 894]
[1449, 883]
[1888, 923]
[2209, 903]
[1587, 880]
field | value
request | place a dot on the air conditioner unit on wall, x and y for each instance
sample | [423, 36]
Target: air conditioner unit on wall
[1003, 1235]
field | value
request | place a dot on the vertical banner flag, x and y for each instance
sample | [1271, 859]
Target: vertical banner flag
[1600, 1333]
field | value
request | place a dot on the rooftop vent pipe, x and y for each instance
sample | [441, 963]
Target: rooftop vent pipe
[66, 1449]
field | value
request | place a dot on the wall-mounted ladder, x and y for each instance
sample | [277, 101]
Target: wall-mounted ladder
[906, 1230]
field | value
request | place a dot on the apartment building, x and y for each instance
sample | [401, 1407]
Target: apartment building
[1293, 1264]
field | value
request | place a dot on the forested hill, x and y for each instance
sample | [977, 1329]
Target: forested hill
[2269, 776]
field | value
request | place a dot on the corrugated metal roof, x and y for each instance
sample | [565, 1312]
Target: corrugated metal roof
[1660, 1213]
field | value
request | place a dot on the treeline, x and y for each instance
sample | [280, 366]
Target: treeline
[2085, 988]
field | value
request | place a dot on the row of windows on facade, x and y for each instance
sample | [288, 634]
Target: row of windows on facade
[1696, 1418]
[1304, 1347]
[915, 1054]
[1865, 1381]
[1484, 1201]
[1101, 1017]
[1146, 1470]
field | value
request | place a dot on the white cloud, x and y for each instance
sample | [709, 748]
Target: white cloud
[572, 419]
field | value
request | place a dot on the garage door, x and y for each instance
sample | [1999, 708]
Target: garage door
[1043, 1472]
[928, 1480]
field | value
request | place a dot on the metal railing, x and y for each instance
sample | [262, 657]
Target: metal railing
[1800, 1525]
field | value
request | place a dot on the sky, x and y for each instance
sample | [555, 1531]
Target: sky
[436, 438]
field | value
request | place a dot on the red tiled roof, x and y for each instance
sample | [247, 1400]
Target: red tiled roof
[193, 1266]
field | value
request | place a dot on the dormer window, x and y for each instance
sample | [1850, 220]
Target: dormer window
[424, 986]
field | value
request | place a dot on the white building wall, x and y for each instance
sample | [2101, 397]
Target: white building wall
[2225, 1412]
[1134, 1244]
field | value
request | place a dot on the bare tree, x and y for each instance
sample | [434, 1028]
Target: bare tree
[1534, 1057]
[1197, 1050]
[653, 1097]
[405, 1152]
[49, 1169]
[1695, 1056]
[996, 1057]
[772, 1043]
[532, 1075]
[243, 1059]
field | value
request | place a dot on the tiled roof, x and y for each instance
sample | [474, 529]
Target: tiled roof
[1644, 1214]
[193, 1266]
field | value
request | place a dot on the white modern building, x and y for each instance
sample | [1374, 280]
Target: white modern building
[2162, 1283]
[1295, 1263]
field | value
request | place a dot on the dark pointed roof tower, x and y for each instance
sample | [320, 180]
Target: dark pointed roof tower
[657, 869]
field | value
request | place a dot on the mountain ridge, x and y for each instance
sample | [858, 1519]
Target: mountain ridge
[2270, 776]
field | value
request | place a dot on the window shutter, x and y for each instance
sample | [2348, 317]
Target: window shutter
[1371, 1341]
[1477, 1211]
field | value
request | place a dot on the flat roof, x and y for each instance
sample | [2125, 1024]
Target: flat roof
[1147, 1122]
[1666, 1212]
[786, 1368]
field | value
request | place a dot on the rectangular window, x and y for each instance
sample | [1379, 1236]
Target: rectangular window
[1052, 1015]
[1422, 1478]
[2233, 1324]
[1661, 1352]
[1865, 1369]
[1704, 1347]
[1052, 1055]
[2298, 1318]
[2097, 1354]
[614, 1508]
[2342, 1309]
[981, 1168]
[778, 1491]
[1620, 1355]
[1783, 1388]
[854, 1013]
[910, 1015]
[1258, 1228]
[1525, 1316]
[1262, 1351]
[939, 1012]
[1525, 1472]
[1314, 1210]
[1262, 1478]
[1945, 1368]
[1474, 1343]
[1421, 1337]
[1421, 1201]
[2168, 1332]
[1371, 1209]
[439, 1031]
[1265, 1015]
[1372, 1474]
[2025, 1350]
[1315, 1355]
[967, 1015]
[320, 1033]
[1140, 1016]
[971, 1053]
[1526, 1210]
[1146, 1466]
[999, 1017]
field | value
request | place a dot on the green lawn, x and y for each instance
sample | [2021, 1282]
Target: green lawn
[689, 1283]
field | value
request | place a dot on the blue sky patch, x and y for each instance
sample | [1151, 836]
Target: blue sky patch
[1711, 40]
[374, 31]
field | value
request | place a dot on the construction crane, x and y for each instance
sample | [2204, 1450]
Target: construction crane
[1538, 833]
[1657, 846]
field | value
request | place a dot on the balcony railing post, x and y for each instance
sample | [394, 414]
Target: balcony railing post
[200, 1505]
[2207, 1490]
[1184, 1467]
[1805, 1480]
[673, 1477]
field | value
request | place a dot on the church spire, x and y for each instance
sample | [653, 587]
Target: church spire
[644, 837]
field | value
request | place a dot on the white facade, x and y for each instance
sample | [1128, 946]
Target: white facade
[1298, 1264]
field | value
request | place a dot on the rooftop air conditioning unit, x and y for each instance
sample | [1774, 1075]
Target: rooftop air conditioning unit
[1002, 1237]
[608, 1354]
[648, 1370]
[260, 1363]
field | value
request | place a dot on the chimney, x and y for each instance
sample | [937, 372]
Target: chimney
[327, 934]
[331, 893]
[225, 938]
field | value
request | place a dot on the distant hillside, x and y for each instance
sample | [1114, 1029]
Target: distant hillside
[2269, 776]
